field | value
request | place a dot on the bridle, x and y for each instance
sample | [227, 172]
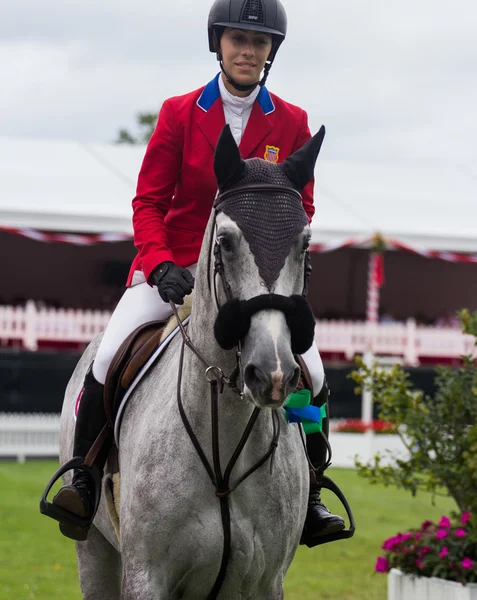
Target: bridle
[221, 479]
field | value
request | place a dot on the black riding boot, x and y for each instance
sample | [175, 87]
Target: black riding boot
[319, 521]
[80, 498]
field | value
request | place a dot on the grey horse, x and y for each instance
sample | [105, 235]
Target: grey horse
[171, 537]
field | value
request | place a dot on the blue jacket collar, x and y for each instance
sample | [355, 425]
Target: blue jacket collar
[211, 93]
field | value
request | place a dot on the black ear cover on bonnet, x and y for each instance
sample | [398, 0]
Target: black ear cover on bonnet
[234, 320]
[228, 163]
[300, 166]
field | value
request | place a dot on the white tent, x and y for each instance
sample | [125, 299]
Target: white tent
[70, 186]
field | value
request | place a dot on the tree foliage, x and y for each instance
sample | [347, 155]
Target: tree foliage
[439, 432]
[146, 123]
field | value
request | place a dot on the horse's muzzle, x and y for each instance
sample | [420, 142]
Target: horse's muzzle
[270, 389]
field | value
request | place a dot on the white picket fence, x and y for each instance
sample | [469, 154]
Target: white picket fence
[29, 435]
[27, 326]
[406, 340]
[37, 435]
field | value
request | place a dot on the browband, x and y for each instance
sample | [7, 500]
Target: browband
[256, 187]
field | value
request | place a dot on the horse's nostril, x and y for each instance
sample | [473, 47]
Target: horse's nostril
[294, 377]
[255, 377]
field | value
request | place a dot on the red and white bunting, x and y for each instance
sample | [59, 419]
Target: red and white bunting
[353, 242]
[68, 238]
[448, 256]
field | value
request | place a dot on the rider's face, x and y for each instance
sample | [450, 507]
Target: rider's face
[244, 54]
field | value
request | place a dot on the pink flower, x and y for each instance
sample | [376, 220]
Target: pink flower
[465, 518]
[426, 525]
[467, 563]
[444, 552]
[460, 533]
[424, 550]
[419, 563]
[441, 534]
[382, 565]
[390, 543]
[444, 522]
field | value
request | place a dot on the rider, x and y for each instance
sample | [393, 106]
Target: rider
[175, 192]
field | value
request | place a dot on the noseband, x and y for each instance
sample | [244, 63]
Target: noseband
[235, 317]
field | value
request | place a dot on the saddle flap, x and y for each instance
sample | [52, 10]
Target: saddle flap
[305, 382]
[131, 356]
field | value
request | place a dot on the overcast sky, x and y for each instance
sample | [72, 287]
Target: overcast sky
[391, 79]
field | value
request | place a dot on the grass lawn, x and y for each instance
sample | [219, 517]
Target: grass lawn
[37, 562]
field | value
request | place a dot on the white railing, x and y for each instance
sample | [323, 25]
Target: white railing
[28, 326]
[37, 435]
[29, 435]
[406, 340]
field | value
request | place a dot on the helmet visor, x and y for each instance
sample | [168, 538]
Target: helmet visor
[250, 27]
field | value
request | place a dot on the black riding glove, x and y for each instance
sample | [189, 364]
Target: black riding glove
[173, 282]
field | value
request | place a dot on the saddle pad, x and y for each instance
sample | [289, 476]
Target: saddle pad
[154, 356]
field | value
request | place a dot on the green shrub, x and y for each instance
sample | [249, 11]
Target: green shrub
[439, 432]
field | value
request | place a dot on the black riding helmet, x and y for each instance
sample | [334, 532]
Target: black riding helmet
[267, 16]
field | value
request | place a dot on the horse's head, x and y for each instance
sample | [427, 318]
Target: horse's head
[261, 239]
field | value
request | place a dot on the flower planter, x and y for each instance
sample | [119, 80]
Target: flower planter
[404, 587]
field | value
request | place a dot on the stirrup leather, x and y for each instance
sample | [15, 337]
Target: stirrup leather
[65, 516]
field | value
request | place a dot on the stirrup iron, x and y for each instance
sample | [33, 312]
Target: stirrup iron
[65, 516]
[325, 482]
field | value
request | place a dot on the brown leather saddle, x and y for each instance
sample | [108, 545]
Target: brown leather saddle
[132, 355]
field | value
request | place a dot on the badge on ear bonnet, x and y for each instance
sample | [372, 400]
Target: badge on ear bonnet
[270, 220]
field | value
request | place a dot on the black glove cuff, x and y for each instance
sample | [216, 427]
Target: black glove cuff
[160, 271]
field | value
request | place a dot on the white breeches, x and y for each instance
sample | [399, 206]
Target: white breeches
[140, 304]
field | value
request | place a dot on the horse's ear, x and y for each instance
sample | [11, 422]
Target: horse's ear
[228, 164]
[300, 166]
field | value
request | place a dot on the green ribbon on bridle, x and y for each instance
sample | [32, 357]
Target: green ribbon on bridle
[299, 410]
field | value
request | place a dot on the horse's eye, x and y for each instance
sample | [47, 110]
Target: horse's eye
[305, 246]
[226, 243]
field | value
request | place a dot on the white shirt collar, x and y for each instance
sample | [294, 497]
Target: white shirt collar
[237, 103]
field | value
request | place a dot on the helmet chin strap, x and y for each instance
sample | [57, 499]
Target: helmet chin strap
[245, 88]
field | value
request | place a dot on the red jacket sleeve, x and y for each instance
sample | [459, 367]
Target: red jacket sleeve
[308, 191]
[157, 180]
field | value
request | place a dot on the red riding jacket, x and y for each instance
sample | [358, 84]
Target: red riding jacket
[176, 185]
